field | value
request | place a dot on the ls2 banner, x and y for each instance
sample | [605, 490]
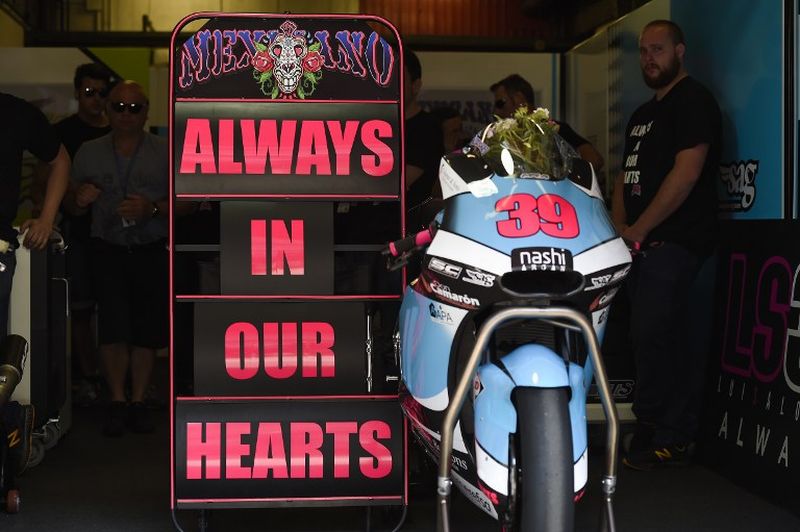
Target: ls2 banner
[753, 397]
[262, 452]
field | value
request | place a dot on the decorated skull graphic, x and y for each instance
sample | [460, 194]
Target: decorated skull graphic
[287, 51]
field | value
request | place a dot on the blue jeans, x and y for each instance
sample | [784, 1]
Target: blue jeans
[9, 260]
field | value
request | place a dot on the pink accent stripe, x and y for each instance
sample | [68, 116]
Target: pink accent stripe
[287, 196]
[288, 297]
[405, 460]
[219, 14]
[268, 100]
[171, 275]
[218, 399]
[289, 499]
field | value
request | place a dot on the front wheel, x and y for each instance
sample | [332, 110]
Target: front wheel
[544, 461]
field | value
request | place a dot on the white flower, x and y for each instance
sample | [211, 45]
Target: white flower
[507, 124]
[541, 113]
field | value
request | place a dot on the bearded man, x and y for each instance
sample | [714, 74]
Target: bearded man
[665, 203]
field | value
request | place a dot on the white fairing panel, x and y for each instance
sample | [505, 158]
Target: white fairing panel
[454, 247]
[606, 255]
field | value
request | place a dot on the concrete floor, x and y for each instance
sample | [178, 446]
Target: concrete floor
[89, 483]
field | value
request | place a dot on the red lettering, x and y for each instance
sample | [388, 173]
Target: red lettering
[343, 143]
[280, 350]
[280, 354]
[256, 151]
[341, 431]
[198, 147]
[318, 340]
[226, 163]
[258, 247]
[199, 449]
[241, 351]
[270, 454]
[381, 464]
[313, 149]
[235, 450]
[382, 162]
[288, 248]
[306, 440]
[551, 213]
[265, 142]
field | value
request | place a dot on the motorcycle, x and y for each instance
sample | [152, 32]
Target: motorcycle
[498, 337]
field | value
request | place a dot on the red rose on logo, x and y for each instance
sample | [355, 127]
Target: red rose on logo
[312, 62]
[262, 61]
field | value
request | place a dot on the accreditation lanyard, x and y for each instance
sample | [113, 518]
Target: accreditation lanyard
[125, 173]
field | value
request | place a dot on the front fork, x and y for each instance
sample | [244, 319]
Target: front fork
[574, 319]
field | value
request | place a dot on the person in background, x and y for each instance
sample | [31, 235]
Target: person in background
[424, 147]
[124, 178]
[452, 126]
[24, 127]
[665, 203]
[92, 82]
[514, 91]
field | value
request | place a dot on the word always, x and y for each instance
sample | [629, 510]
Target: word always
[290, 146]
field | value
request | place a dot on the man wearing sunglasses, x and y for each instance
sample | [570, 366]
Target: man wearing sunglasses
[514, 91]
[92, 82]
[124, 178]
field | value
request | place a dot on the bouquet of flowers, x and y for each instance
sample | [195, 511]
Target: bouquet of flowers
[530, 138]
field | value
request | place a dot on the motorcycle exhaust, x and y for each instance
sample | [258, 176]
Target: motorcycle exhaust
[12, 361]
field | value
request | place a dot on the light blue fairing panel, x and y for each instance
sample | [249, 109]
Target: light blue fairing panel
[465, 212]
[425, 351]
[495, 415]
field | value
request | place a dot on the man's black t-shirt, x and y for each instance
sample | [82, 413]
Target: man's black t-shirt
[424, 149]
[22, 127]
[686, 117]
[73, 133]
[570, 135]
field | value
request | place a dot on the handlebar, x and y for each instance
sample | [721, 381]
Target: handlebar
[404, 245]
[399, 251]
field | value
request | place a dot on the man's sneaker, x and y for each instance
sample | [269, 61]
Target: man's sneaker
[139, 419]
[657, 456]
[114, 425]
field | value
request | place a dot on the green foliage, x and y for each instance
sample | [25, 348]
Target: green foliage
[530, 138]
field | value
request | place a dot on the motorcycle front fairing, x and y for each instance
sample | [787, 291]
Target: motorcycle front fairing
[492, 226]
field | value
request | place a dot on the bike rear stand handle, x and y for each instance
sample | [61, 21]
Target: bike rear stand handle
[609, 483]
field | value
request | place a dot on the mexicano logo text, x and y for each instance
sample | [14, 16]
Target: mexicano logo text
[285, 53]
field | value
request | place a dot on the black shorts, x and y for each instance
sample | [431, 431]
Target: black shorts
[132, 290]
[80, 268]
